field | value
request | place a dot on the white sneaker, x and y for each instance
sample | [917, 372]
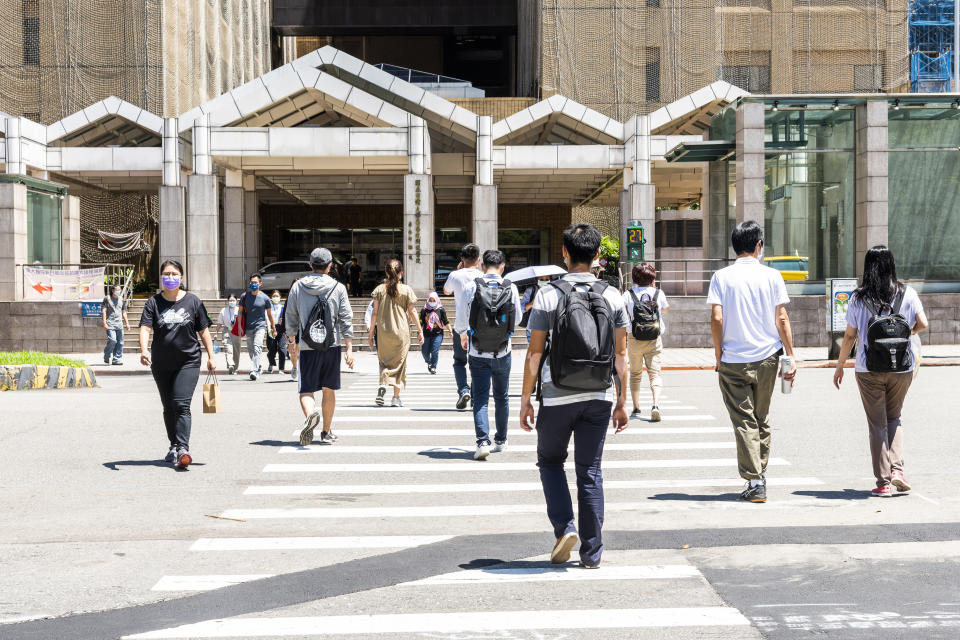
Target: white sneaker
[499, 446]
[293, 374]
[655, 414]
[483, 450]
[396, 403]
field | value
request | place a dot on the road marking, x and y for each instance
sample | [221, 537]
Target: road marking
[459, 622]
[634, 429]
[500, 510]
[333, 542]
[445, 466]
[204, 583]
[524, 448]
[563, 573]
[506, 487]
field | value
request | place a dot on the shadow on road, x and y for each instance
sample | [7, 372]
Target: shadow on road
[716, 497]
[275, 443]
[464, 454]
[115, 466]
[846, 494]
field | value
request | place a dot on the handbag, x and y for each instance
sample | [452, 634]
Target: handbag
[211, 394]
[239, 327]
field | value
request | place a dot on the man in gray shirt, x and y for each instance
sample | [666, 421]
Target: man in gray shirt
[583, 413]
[256, 304]
[113, 311]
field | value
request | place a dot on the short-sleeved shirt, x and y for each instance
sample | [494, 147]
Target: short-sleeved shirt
[462, 323]
[662, 303]
[455, 284]
[175, 326]
[256, 306]
[115, 308]
[749, 293]
[545, 306]
[441, 321]
[858, 316]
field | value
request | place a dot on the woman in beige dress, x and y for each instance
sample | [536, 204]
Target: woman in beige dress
[393, 313]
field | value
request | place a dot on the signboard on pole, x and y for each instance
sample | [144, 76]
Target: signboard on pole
[91, 309]
[839, 291]
[63, 285]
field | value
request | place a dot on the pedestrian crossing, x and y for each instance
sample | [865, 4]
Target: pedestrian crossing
[403, 479]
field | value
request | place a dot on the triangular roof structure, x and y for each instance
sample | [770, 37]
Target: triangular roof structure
[557, 120]
[691, 114]
[111, 121]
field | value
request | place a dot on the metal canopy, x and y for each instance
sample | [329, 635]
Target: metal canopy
[706, 151]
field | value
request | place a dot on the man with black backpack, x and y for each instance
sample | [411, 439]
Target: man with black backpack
[577, 352]
[485, 328]
[318, 310]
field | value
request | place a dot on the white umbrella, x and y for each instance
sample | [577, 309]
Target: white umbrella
[536, 271]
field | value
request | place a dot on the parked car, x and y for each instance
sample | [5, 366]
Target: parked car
[792, 268]
[282, 275]
[439, 278]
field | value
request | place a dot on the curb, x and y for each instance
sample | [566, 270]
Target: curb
[35, 376]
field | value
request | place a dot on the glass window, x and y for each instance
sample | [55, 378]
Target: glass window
[924, 128]
[809, 129]
[810, 212]
[723, 126]
[43, 227]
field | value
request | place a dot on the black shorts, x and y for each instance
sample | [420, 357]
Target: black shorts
[319, 370]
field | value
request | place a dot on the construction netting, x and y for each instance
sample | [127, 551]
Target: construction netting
[623, 57]
[131, 216]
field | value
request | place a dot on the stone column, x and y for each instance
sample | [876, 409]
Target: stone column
[418, 235]
[251, 229]
[638, 200]
[485, 225]
[751, 196]
[172, 226]
[234, 232]
[13, 239]
[871, 172]
[14, 157]
[70, 222]
[203, 227]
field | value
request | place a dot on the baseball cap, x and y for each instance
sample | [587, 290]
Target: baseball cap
[320, 257]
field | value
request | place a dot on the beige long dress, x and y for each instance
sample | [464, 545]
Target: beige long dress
[393, 333]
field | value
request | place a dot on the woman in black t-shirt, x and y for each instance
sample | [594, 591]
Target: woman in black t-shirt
[175, 317]
[433, 322]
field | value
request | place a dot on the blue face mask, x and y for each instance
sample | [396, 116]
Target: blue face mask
[233, 304]
[116, 294]
[254, 286]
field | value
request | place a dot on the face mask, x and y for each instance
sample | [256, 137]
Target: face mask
[254, 286]
[542, 283]
[116, 294]
[233, 304]
[170, 282]
[275, 300]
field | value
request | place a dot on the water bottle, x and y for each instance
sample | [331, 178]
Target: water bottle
[786, 364]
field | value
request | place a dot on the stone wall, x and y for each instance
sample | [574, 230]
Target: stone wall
[52, 327]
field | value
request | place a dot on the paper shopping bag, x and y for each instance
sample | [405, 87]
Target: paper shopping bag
[211, 395]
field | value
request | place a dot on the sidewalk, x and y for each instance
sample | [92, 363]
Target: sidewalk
[675, 359]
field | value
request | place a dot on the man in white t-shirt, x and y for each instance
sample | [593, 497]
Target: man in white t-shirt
[751, 330]
[455, 285]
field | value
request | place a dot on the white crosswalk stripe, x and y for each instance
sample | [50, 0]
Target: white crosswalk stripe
[382, 475]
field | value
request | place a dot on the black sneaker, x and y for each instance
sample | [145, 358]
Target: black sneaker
[328, 437]
[757, 493]
[433, 371]
[463, 401]
[636, 413]
[172, 454]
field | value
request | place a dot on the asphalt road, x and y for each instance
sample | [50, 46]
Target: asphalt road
[396, 530]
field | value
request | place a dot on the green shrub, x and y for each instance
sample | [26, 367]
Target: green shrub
[37, 357]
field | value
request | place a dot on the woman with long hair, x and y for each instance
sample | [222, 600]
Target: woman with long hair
[392, 315]
[176, 318]
[883, 382]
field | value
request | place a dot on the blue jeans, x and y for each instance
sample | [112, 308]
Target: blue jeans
[587, 422]
[460, 365]
[431, 349]
[114, 348]
[482, 372]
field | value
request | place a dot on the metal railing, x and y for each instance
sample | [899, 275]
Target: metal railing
[682, 276]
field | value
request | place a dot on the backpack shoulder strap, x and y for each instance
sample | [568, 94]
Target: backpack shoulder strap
[563, 286]
[636, 298]
[656, 293]
[599, 286]
[869, 305]
[898, 301]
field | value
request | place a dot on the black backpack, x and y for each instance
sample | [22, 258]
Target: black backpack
[646, 316]
[887, 344]
[317, 331]
[581, 347]
[492, 316]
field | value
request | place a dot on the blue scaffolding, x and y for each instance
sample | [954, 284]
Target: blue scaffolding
[931, 45]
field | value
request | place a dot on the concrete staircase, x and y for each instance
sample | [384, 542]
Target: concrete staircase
[359, 306]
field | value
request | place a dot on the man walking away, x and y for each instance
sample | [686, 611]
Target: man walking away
[466, 272]
[751, 330]
[354, 271]
[583, 375]
[318, 307]
[256, 309]
[485, 329]
[113, 311]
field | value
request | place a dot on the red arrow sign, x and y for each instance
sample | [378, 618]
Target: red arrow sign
[41, 288]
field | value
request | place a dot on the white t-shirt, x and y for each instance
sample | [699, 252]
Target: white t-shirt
[640, 291]
[858, 317]
[455, 284]
[749, 294]
[462, 324]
